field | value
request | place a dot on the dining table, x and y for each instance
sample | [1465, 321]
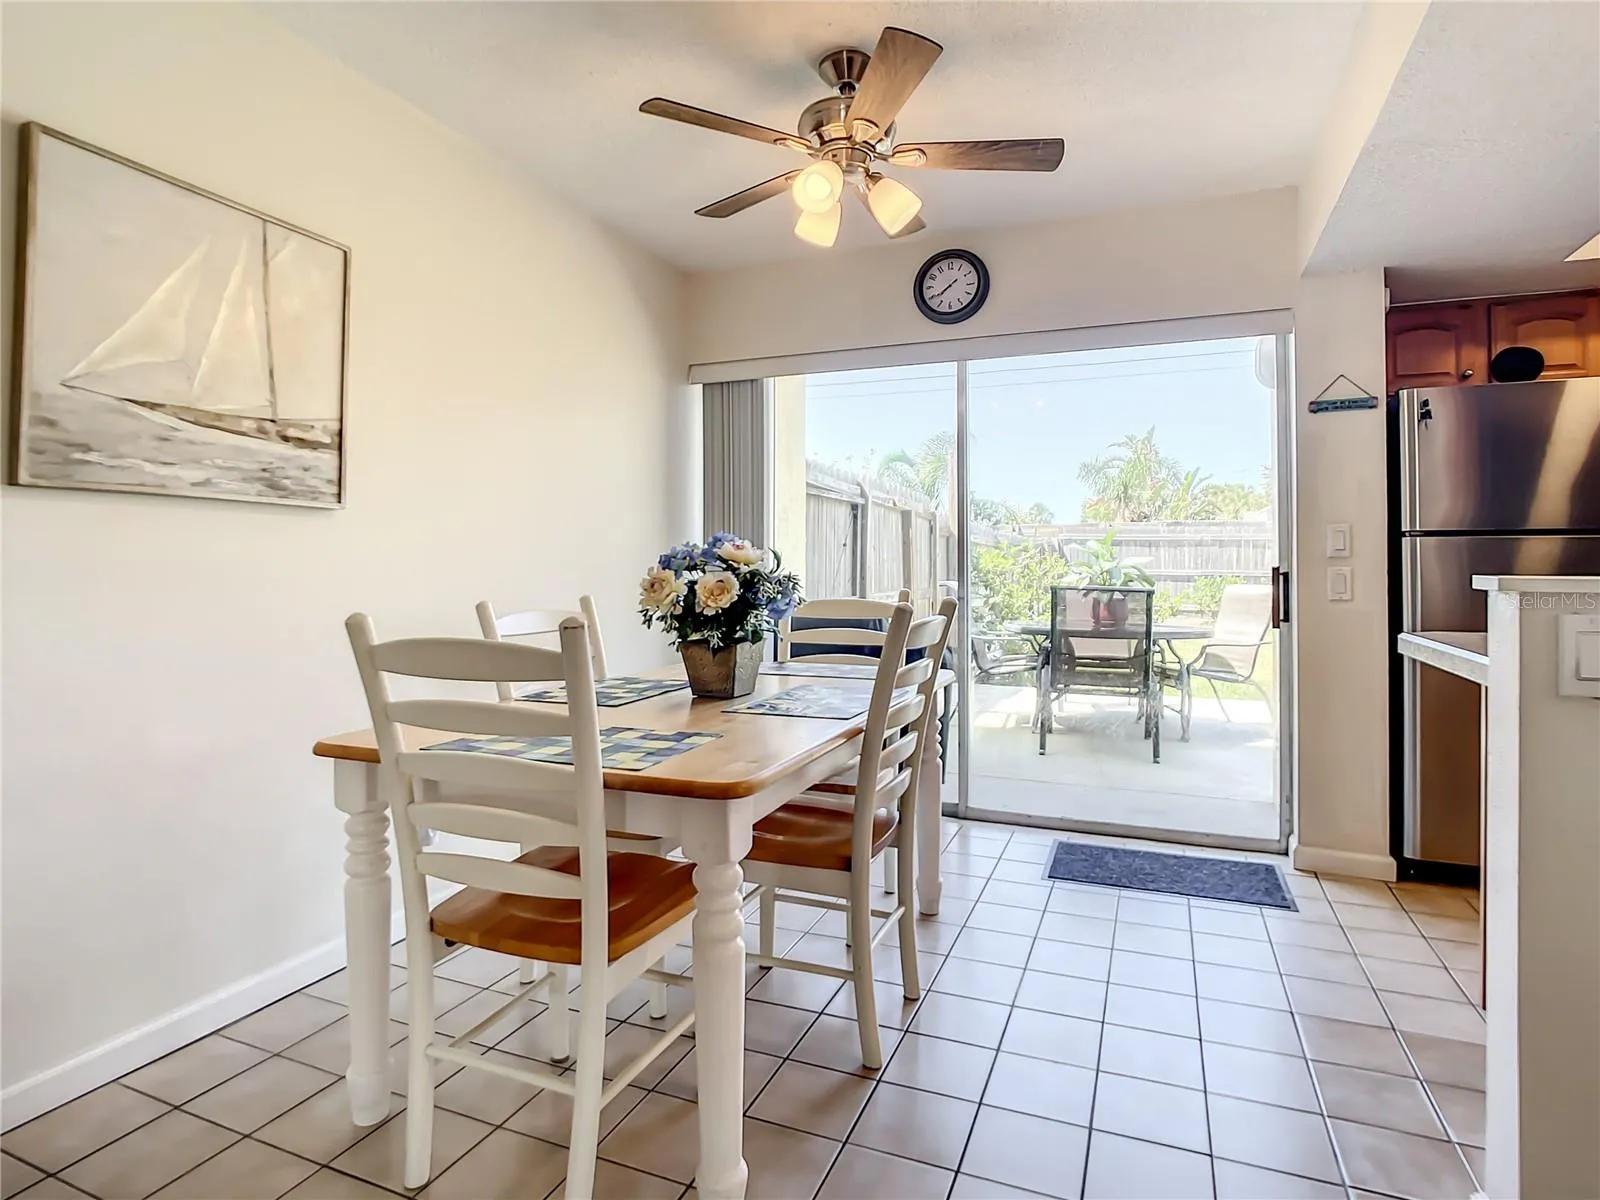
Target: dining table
[706, 800]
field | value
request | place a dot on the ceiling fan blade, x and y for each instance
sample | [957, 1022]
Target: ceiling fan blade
[740, 201]
[1015, 154]
[899, 62]
[672, 110]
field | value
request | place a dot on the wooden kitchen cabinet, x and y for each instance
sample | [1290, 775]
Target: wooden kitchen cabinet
[1438, 345]
[1565, 329]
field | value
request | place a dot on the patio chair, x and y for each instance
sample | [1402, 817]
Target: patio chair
[1101, 644]
[1244, 625]
[991, 663]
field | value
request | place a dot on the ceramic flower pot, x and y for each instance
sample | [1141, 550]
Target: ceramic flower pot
[721, 674]
[1110, 612]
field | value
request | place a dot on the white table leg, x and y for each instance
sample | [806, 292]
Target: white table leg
[716, 837]
[929, 802]
[366, 934]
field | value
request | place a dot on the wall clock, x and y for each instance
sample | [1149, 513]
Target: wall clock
[951, 286]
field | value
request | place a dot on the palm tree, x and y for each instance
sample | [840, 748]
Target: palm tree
[925, 473]
[1132, 483]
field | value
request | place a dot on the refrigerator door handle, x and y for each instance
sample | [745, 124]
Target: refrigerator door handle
[1415, 413]
[1410, 584]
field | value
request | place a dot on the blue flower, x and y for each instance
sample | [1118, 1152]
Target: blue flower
[680, 557]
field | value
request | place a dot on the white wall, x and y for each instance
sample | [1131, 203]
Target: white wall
[516, 420]
[1342, 647]
[1229, 255]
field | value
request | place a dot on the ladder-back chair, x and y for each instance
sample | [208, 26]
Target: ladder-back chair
[811, 851]
[568, 902]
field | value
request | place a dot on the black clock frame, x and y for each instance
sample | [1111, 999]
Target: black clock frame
[961, 314]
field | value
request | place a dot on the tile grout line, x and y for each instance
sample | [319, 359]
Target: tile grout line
[1305, 1051]
[1011, 1008]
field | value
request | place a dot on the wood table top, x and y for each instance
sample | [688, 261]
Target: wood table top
[753, 751]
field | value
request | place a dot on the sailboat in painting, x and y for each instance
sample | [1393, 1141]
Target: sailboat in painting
[207, 360]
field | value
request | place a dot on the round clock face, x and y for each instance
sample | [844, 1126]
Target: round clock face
[951, 286]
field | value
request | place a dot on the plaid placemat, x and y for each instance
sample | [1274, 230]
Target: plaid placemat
[797, 666]
[815, 700]
[621, 748]
[611, 692]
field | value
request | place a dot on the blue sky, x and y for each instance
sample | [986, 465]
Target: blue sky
[1035, 419]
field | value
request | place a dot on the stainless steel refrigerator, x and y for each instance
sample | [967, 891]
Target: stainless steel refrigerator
[1501, 479]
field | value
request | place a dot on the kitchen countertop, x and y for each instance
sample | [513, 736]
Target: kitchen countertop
[1463, 654]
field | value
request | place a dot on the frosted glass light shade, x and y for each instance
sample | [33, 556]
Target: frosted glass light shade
[818, 187]
[892, 203]
[820, 229]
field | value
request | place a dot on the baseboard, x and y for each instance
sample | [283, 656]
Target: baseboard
[129, 1051]
[1343, 862]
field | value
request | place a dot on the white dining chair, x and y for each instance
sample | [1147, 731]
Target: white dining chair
[850, 611]
[541, 622]
[859, 624]
[569, 902]
[814, 852]
[545, 623]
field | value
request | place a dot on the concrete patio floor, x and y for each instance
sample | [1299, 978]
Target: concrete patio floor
[1097, 768]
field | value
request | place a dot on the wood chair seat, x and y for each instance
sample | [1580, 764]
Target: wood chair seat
[646, 895]
[811, 835]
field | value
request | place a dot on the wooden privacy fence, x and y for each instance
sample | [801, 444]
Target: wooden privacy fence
[1177, 552]
[866, 539]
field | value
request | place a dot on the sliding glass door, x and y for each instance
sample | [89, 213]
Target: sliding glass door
[1122, 526]
[1137, 477]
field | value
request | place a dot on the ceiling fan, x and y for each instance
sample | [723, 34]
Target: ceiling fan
[850, 137]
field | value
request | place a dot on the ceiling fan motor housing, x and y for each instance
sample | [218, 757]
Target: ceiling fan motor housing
[842, 69]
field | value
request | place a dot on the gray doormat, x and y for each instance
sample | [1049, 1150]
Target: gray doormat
[1178, 874]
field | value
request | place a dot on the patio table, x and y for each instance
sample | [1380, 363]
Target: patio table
[1164, 633]
[1161, 631]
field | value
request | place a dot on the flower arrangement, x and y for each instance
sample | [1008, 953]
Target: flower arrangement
[725, 593]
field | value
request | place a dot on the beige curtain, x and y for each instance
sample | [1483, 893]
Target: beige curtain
[738, 459]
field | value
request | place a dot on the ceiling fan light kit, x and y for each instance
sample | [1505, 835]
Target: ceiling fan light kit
[818, 187]
[819, 228]
[892, 203]
[851, 134]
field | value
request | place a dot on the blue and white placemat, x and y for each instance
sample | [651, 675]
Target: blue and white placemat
[611, 692]
[621, 748]
[814, 700]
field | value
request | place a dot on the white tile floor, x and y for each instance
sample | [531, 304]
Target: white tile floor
[1071, 1042]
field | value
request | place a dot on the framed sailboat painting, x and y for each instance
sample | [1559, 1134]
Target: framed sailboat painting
[173, 342]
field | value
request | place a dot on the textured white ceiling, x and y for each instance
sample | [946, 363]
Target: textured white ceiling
[1158, 102]
[1486, 156]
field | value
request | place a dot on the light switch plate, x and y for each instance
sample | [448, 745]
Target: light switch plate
[1338, 541]
[1340, 585]
[1578, 655]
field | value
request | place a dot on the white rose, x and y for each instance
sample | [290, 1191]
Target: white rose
[742, 553]
[715, 591]
[661, 591]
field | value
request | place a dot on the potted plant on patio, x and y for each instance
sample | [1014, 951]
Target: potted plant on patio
[718, 602]
[1101, 566]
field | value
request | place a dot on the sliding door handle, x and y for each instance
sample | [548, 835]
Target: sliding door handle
[1280, 597]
